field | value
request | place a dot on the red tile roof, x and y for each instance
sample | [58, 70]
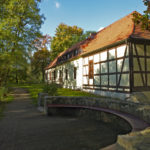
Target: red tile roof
[116, 32]
[76, 46]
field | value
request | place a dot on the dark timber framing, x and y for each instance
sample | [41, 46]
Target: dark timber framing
[131, 45]
[143, 72]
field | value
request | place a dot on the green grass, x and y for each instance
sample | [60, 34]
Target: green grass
[5, 97]
[69, 92]
[34, 89]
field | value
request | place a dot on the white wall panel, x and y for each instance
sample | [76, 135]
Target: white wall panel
[121, 51]
[90, 57]
[103, 56]
[85, 70]
[85, 61]
[96, 58]
[91, 81]
[85, 80]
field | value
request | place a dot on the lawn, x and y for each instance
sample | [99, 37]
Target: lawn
[5, 97]
[34, 89]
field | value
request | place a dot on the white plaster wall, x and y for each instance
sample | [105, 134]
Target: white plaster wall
[71, 82]
[96, 58]
[121, 51]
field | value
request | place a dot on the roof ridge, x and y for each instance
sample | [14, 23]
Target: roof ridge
[118, 20]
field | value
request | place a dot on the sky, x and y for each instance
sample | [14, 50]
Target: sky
[90, 15]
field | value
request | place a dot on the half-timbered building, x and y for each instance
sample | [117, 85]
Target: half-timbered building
[115, 61]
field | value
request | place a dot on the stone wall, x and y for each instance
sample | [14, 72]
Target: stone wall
[132, 141]
[137, 109]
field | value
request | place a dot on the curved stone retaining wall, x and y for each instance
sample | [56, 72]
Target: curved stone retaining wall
[131, 141]
[139, 110]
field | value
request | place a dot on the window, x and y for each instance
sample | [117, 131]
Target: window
[68, 56]
[60, 75]
[91, 69]
[75, 72]
[75, 52]
[66, 74]
[54, 75]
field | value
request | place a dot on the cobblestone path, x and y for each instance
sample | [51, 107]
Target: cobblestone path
[24, 128]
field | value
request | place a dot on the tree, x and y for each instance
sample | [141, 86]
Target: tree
[43, 42]
[40, 60]
[64, 38]
[144, 19]
[20, 22]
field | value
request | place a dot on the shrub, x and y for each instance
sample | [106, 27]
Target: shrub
[3, 92]
[51, 89]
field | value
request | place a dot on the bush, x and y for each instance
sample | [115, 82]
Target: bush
[3, 92]
[51, 89]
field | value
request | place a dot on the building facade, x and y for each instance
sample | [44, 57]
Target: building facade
[113, 62]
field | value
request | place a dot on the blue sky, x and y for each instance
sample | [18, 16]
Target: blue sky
[87, 14]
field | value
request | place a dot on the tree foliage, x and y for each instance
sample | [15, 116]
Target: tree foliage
[20, 22]
[64, 38]
[144, 19]
[41, 58]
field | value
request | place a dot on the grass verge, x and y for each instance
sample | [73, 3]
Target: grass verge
[34, 89]
[5, 97]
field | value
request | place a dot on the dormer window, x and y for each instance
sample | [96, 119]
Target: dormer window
[75, 52]
[68, 56]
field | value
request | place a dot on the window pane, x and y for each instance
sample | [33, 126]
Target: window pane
[112, 54]
[96, 80]
[104, 80]
[112, 80]
[96, 69]
[124, 80]
[112, 66]
[104, 67]
[148, 50]
[148, 64]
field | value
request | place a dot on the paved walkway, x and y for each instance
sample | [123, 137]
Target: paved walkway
[24, 128]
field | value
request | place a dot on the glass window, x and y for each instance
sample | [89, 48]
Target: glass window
[75, 72]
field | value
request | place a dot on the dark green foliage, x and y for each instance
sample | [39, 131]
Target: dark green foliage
[143, 20]
[20, 23]
[65, 37]
[39, 61]
[3, 92]
[51, 89]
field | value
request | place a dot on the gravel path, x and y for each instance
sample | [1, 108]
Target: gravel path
[24, 128]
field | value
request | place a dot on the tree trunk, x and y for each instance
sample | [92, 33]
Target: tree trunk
[43, 75]
[17, 77]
